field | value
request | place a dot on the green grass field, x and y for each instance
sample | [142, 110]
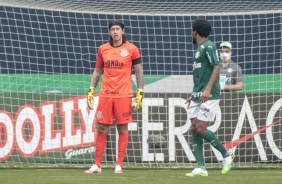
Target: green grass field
[131, 176]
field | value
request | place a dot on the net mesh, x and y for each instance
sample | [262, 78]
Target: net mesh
[159, 7]
[49, 52]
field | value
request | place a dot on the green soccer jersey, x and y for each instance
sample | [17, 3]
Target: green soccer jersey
[204, 59]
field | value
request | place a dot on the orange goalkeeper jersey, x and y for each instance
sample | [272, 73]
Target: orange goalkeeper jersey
[117, 64]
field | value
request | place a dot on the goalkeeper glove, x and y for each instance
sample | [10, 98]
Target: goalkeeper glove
[137, 102]
[90, 99]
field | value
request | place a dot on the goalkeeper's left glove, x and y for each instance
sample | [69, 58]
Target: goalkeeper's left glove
[137, 102]
[90, 99]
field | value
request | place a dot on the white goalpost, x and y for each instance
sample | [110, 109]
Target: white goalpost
[48, 52]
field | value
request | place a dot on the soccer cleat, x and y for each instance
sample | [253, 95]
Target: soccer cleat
[94, 169]
[198, 172]
[118, 169]
[227, 163]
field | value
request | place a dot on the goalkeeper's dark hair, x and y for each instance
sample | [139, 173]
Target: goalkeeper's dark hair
[202, 27]
[121, 25]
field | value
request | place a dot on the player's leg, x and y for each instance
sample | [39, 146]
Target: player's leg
[101, 141]
[104, 117]
[209, 136]
[122, 146]
[123, 116]
[227, 163]
[206, 114]
[197, 143]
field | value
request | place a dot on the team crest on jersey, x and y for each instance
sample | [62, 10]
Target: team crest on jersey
[197, 54]
[124, 53]
[99, 115]
[230, 70]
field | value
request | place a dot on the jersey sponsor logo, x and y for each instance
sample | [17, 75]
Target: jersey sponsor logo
[113, 64]
[196, 94]
[111, 92]
[196, 65]
[124, 53]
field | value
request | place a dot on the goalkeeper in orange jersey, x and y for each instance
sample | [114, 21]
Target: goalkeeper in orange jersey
[116, 59]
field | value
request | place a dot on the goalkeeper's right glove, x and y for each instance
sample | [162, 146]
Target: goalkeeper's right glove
[90, 99]
[137, 102]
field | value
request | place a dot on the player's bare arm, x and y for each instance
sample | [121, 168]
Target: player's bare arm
[139, 75]
[94, 81]
[188, 101]
[213, 79]
[235, 87]
[137, 102]
[96, 77]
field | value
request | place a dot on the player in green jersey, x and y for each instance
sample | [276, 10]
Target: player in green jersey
[205, 97]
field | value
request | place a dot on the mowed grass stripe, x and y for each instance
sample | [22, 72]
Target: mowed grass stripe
[131, 176]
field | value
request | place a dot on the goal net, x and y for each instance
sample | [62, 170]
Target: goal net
[48, 52]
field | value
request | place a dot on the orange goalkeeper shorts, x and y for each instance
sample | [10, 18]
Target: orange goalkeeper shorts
[114, 110]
